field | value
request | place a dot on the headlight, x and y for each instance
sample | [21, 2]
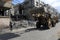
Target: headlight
[33, 14]
[38, 15]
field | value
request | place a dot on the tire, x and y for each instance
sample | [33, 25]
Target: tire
[57, 21]
[53, 24]
[37, 25]
[46, 26]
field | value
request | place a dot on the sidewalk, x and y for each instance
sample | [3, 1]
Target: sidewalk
[14, 30]
[19, 26]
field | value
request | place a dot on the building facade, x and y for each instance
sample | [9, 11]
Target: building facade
[29, 5]
[5, 6]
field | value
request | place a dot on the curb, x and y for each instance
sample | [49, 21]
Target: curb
[14, 30]
[22, 29]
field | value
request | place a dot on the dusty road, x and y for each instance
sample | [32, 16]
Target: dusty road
[34, 34]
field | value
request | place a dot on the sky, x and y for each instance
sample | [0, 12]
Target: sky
[53, 3]
[17, 1]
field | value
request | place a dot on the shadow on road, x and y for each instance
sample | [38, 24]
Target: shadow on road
[33, 29]
[7, 36]
[59, 39]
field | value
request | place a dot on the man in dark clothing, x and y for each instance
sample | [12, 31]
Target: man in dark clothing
[11, 26]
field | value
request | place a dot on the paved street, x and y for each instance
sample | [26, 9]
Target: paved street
[18, 20]
[33, 34]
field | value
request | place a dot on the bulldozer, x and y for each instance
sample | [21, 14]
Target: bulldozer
[43, 19]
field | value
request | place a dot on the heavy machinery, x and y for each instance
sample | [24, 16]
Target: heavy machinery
[44, 19]
[56, 18]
